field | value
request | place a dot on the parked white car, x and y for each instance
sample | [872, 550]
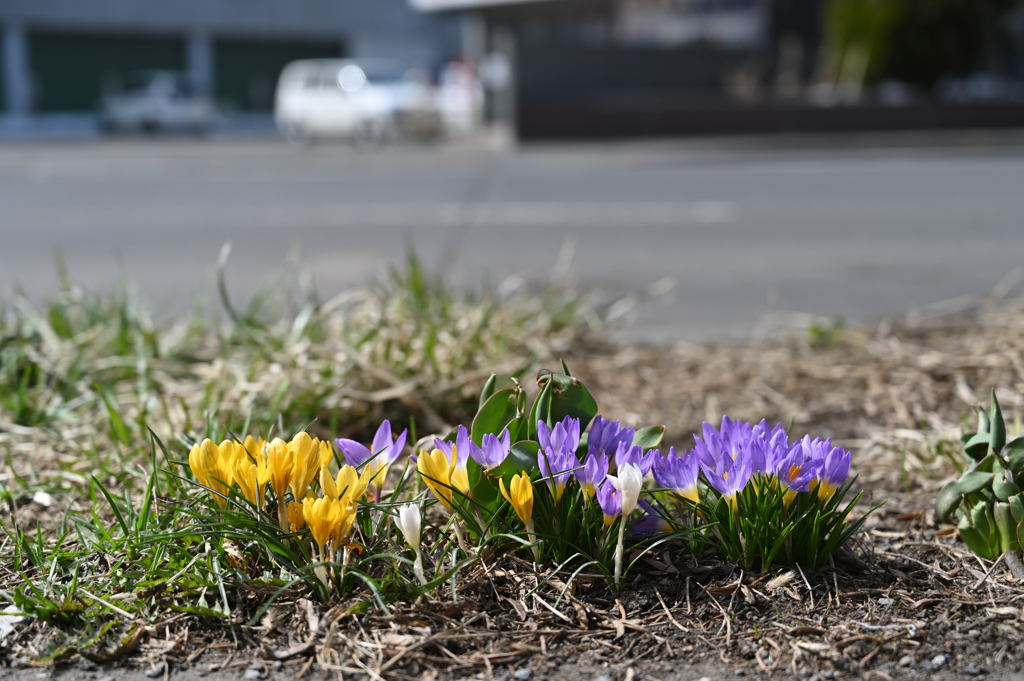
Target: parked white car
[368, 99]
[154, 101]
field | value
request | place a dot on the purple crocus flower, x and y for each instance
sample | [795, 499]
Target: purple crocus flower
[678, 473]
[800, 466]
[493, 450]
[610, 500]
[606, 436]
[729, 475]
[635, 455]
[834, 470]
[652, 521]
[734, 436]
[556, 466]
[382, 453]
[462, 447]
[564, 437]
[593, 473]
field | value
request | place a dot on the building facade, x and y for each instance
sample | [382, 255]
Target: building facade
[59, 55]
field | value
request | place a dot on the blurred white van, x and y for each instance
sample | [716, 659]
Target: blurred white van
[368, 99]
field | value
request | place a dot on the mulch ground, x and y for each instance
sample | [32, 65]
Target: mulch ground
[906, 600]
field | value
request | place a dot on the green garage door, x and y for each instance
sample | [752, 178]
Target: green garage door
[69, 69]
[247, 70]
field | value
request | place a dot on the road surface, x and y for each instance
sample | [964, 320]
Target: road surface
[858, 228]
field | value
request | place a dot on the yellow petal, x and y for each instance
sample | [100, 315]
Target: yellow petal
[433, 468]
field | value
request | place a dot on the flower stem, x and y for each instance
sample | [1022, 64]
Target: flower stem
[417, 568]
[533, 538]
[618, 554]
[460, 535]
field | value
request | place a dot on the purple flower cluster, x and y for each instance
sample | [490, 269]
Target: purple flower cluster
[732, 455]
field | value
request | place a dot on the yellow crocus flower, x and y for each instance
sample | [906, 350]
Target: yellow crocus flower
[252, 476]
[435, 469]
[521, 497]
[310, 454]
[213, 466]
[346, 517]
[349, 484]
[321, 516]
[295, 519]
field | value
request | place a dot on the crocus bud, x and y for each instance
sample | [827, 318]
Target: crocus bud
[409, 523]
[628, 482]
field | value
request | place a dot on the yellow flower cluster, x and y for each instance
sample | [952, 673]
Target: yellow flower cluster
[293, 467]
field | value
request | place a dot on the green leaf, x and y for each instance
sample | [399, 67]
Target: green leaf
[983, 424]
[488, 390]
[565, 368]
[975, 540]
[495, 414]
[483, 490]
[1013, 453]
[947, 501]
[1006, 527]
[1017, 508]
[541, 409]
[997, 428]
[649, 438]
[523, 457]
[1004, 489]
[569, 397]
[973, 482]
[977, 446]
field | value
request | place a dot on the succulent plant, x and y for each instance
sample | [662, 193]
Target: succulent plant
[987, 498]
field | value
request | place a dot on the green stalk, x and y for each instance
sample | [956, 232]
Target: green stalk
[618, 554]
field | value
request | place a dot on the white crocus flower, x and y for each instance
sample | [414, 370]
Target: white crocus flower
[629, 482]
[409, 523]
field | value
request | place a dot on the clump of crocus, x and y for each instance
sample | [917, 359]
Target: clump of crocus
[521, 499]
[377, 459]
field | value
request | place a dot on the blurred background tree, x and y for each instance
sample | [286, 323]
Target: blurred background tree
[914, 41]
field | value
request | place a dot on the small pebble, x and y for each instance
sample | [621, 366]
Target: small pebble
[256, 666]
[740, 672]
[937, 677]
[522, 674]
[156, 671]
[885, 601]
[603, 677]
[828, 675]
[938, 661]
[974, 632]
[86, 665]
[815, 677]
[973, 670]
[277, 665]
[704, 678]
[106, 678]
[906, 661]
[251, 674]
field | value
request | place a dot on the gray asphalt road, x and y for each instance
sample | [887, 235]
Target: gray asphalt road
[830, 226]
